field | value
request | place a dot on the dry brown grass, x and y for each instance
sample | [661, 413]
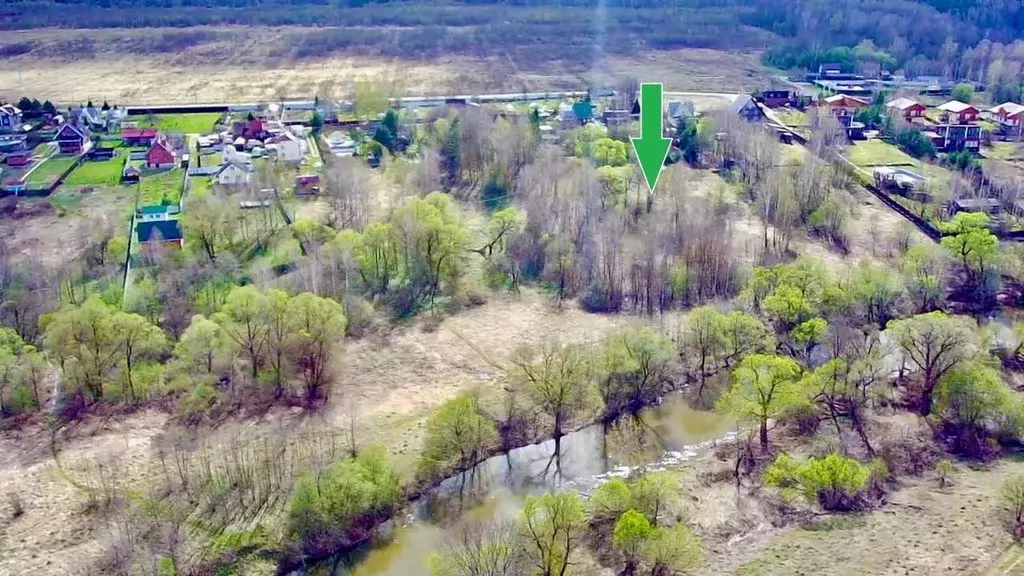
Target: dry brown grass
[245, 69]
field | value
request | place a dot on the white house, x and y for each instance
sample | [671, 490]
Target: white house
[289, 147]
[232, 174]
[10, 119]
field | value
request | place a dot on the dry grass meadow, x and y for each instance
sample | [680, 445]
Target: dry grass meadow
[242, 64]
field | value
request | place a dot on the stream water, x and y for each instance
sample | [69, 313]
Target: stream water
[660, 437]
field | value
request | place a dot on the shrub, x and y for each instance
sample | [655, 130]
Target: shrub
[1012, 499]
[340, 506]
[833, 481]
[649, 494]
[943, 468]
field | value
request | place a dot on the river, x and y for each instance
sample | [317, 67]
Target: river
[660, 437]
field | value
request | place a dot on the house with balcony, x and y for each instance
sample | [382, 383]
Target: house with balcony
[840, 105]
[957, 128]
[1008, 115]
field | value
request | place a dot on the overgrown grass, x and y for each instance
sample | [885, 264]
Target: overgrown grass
[178, 123]
[103, 173]
[868, 153]
[48, 171]
[162, 187]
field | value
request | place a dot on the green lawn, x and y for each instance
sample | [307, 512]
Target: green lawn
[791, 117]
[199, 123]
[875, 152]
[1003, 151]
[48, 171]
[199, 185]
[104, 173]
[161, 188]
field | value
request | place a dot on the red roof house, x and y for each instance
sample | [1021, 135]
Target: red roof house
[160, 155]
[139, 136]
[908, 108]
[956, 112]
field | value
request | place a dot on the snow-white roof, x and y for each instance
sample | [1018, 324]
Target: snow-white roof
[955, 106]
[1011, 108]
[902, 103]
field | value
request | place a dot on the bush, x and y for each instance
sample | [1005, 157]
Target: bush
[834, 481]
[1012, 499]
[458, 436]
[342, 505]
[597, 299]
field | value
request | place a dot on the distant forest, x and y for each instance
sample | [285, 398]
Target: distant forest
[960, 38]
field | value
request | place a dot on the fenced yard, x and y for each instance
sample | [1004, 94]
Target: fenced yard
[98, 173]
[868, 153]
[46, 173]
[161, 187]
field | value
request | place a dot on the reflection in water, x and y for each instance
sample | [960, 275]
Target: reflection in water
[661, 436]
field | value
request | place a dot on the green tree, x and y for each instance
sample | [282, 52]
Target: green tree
[924, 269]
[635, 364]
[973, 399]
[328, 510]
[557, 378]
[705, 341]
[788, 306]
[451, 163]
[878, 292]
[432, 240]
[833, 481]
[316, 123]
[672, 550]
[807, 335]
[972, 244]
[552, 526]
[319, 328]
[137, 339]
[764, 387]
[587, 137]
[370, 99]
[608, 152]
[280, 329]
[935, 343]
[118, 249]
[963, 92]
[651, 493]
[629, 536]
[243, 318]
[83, 341]
[201, 344]
[458, 436]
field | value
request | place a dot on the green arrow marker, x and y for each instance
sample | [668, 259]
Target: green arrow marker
[651, 148]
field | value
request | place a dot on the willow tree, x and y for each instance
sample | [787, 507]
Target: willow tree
[764, 387]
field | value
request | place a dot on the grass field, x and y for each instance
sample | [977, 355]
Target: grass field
[49, 170]
[1003, 151]
[200, 184]
[178, 123]
[161, 188]
[104, 173]
[791, 117]
[867, 153]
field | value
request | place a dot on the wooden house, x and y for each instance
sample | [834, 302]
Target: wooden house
[139, 136]
[909, 109]
[159, 234]
[746, 108]
[957, 112]
[71, 139]
[841, 105]
[776, 98]
[160, 155]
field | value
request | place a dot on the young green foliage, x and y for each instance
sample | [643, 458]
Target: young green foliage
[833, 481]
[764, 387]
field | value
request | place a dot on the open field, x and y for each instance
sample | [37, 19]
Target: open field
[197, 123]
[247, 69]
[161, 188]
[101, 173]
[49, 170]
[60, 226]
